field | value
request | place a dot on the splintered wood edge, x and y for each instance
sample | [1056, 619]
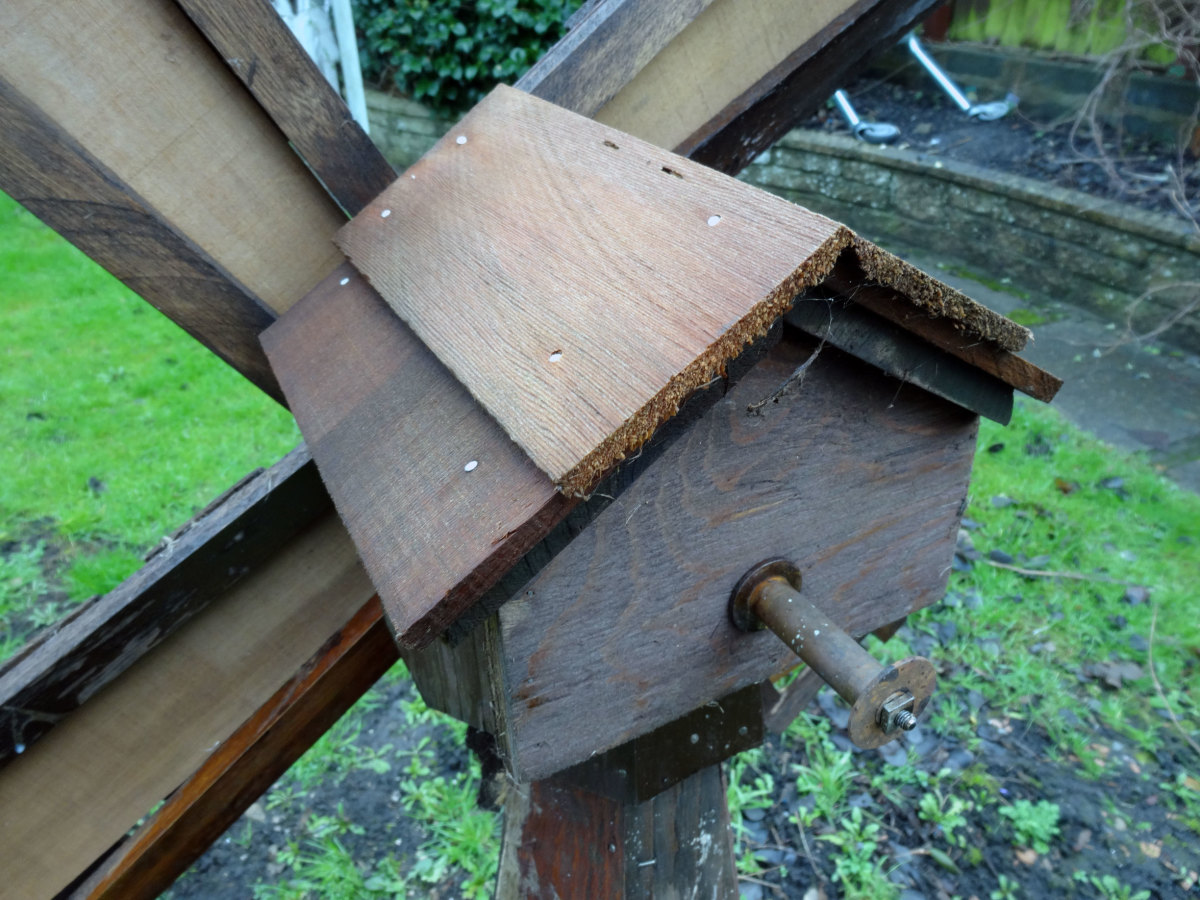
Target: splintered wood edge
[939, 300]
[641, 426]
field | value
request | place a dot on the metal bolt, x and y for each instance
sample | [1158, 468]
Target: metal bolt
[884, 699]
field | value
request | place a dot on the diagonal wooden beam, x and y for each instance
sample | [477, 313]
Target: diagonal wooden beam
[262, 52]
[245, 765]
[47, 171]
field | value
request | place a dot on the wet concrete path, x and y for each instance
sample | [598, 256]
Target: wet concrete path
[1140, 397]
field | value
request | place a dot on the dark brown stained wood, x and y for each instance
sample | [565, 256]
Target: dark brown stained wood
[729, 139]
[59, 671]
[50, 174]
[859, 485]
[946, 334]
[440, 501]
[642, 768]
[903, 356]
[569, 248]
[606, 47]
[261, 50]
[561, 841]
[249, 761]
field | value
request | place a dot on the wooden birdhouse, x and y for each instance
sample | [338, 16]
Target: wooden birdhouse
[657, 378]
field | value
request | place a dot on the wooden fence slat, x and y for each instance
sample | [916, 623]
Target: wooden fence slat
[48, 172]
[257, 45]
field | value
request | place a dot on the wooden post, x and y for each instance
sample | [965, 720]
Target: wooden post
[563, 840]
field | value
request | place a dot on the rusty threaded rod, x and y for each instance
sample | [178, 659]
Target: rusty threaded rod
[800, 624]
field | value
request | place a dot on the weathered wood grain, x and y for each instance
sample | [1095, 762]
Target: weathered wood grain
[246, 764]
[861, 487]
[727, 51]
[140, 89]
[76, 792]
[46, 170]
[440, 501]
[605, 48]
[812, 67]
[261, 50]
[608, 278]
[215, 552]
[561, 841]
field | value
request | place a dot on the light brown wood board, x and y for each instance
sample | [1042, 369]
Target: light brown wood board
[855, 477]
[607, 45]
[85, 783]
[260, 49]
[140, 90]
[50, 174]
[721, 55]
[440, 501]
[579, 282]
[64, 666]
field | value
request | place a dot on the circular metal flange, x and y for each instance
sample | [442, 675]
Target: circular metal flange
[743, 592]
[915, 675]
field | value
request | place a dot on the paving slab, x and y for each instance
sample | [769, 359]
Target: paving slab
[1139, 396]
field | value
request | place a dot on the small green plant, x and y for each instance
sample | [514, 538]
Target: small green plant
[858, 862]
[945, 811]
[1035, 825]
[826, 776]
[1109, 887]
[1006, 888]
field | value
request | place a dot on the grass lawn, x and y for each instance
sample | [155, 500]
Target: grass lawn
[115, 427]
[1071, 616]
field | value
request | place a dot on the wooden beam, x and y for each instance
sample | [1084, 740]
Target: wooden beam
[246, 764]
[230, 541]
[609, 44]
[745, 71]
[260, 49]
[70, 797]
[140, 90]
[46, 170]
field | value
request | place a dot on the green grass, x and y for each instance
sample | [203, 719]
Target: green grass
[115, 427]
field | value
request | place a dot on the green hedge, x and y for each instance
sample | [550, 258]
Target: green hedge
[449, 54]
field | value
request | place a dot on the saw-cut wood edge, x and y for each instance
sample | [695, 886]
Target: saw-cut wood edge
[940, 300]
[581, 284]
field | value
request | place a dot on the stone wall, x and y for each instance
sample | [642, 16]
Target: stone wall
[1059, 247]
